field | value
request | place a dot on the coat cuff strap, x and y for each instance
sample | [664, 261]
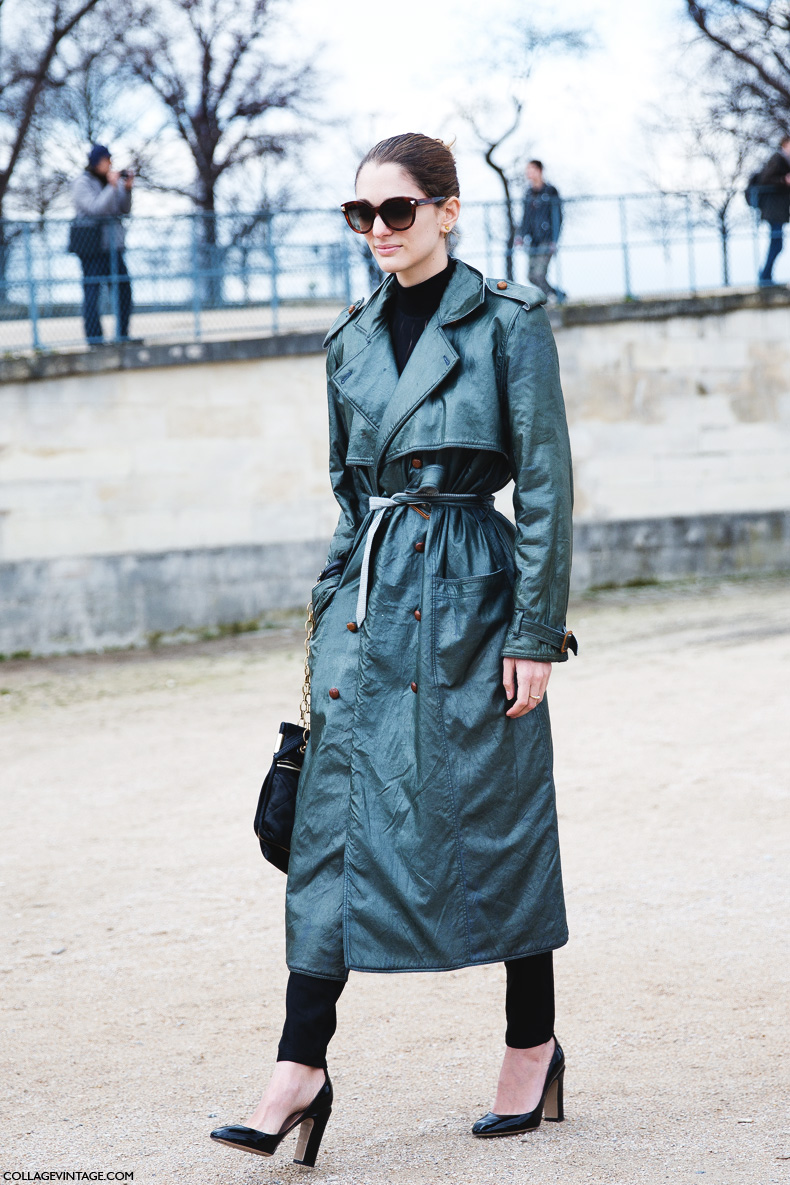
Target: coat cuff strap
[562, 640]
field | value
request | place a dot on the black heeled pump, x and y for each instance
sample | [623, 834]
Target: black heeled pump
[311, 1122]
[550, 1106]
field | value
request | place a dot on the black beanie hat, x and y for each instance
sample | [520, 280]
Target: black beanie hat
[97, 153]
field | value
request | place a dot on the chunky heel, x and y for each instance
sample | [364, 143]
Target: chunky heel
[550, 1106]
[311, 1132]
[311, 1123]
[554, 1109]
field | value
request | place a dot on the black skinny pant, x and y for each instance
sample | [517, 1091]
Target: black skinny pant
[311, 1012]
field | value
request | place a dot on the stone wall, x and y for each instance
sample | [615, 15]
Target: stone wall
[147, 489]
[679, 407]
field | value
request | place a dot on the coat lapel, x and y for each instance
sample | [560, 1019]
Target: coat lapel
[369, 378]
[369, 374]
[432, 360]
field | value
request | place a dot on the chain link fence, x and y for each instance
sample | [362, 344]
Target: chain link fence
[194, 277]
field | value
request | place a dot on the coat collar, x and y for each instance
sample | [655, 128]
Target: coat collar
[369, 379]
[463, 294]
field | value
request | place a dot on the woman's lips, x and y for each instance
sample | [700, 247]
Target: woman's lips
[388, 249]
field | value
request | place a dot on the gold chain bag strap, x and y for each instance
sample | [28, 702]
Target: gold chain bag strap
[304, 707]
[274, 817]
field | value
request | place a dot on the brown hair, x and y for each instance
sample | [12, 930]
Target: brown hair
[430, 162]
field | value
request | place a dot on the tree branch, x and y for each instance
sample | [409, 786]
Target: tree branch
[700, 16]
[39, 76]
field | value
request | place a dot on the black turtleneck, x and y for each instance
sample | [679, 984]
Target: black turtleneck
[412, 309]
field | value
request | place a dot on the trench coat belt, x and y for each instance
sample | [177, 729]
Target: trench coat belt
[405, 498]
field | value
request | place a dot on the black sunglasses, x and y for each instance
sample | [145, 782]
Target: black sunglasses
[398, 213]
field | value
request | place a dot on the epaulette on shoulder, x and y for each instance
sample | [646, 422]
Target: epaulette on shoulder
[343, 318]
[527, 294]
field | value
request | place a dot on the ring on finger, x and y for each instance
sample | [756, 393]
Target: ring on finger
[537, 697]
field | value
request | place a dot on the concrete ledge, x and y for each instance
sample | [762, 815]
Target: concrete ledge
[642, 551]
[131, 357]
[96, 602]
[662, 308]
[65, 605]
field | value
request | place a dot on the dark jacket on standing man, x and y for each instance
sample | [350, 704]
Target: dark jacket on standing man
[775, 192]
[542, 217]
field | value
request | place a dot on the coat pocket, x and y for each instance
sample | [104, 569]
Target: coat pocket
[470, 619]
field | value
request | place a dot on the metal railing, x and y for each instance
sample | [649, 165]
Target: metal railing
[197, 277]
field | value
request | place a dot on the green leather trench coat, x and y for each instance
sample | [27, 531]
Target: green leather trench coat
[426, 834]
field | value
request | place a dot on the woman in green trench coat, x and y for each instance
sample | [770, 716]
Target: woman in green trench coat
[425, 836]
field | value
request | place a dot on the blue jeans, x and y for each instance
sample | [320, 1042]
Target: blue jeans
[540, 257]
[96, 270]
[774, 250]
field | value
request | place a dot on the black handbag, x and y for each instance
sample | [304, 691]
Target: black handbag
[84, 238]
[274, 817]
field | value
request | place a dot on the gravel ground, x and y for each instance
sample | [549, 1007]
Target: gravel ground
[143, 974]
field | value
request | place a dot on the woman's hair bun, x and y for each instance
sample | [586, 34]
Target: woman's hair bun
[431, 166]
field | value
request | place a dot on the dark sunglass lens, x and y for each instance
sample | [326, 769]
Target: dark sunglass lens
[397, 213]
[360, 217]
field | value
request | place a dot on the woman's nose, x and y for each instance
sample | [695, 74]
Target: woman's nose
[380, 228]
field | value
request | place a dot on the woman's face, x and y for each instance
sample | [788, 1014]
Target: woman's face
[421, 248]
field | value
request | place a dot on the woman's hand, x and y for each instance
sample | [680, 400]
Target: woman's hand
[529, 678]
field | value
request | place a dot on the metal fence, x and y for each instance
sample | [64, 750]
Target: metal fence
[195, 277]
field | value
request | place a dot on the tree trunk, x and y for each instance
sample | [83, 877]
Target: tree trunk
[511, 234]
[4, 248]
[210, 254]
[724, 236]
[511, 225]
[8, 232]
[3, 257]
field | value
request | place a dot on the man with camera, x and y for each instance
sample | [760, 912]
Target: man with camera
[101, 196]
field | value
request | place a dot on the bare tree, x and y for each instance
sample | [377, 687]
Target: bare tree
[32, 65]
[490, 143]
[710, 153]
[96, 101]
[725, 155]
[40, 179]
[92, 104]
[209, 65]
[494, 122]
[750, 46]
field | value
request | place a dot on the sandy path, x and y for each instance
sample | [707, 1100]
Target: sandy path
[129, 784]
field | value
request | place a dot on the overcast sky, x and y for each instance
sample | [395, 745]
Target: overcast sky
[405, 66]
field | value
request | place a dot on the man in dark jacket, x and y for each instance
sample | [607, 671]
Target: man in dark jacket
[774, 201]
[540, 227]
[100, 197]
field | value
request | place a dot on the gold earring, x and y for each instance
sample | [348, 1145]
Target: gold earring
[446, 229]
